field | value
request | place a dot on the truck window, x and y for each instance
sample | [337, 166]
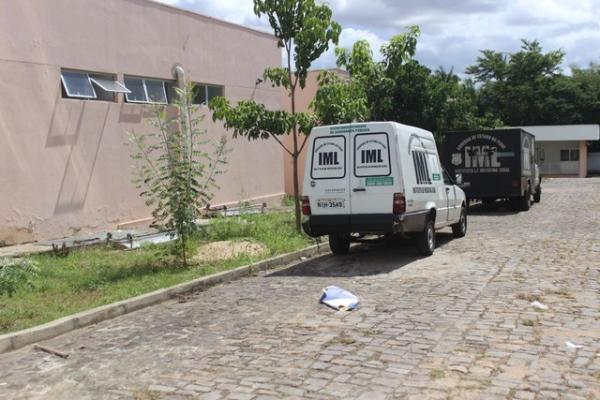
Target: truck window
[435, 167]
[421, 168]
[371, 155]
[328, 158]
[447, 179]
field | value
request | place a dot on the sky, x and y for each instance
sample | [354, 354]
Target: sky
[452, 31]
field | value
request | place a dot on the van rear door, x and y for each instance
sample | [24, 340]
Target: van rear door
[327, 186]
[374, 175]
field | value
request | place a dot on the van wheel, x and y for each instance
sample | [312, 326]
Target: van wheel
[339, 244]
[526, 200]
[460, 228]
[537, 197]
[426, 239]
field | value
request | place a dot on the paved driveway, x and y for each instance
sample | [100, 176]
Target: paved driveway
[458, 324]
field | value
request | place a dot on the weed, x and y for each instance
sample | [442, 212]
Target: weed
[530, 322]
[287, 201]
[370, 332]
[341, 339]
[529, 297]
[562, 292]
[146, 394]
[16, 273]
[436, 374]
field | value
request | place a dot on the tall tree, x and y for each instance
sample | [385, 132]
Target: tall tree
[304, 30]
[394, 85]
[452, 105]
[588, 82]
[399, 88]
[517, 87]
[339, 100]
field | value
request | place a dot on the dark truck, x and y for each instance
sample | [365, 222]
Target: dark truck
[494, 164]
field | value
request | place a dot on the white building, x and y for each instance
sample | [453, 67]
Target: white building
[563, 149]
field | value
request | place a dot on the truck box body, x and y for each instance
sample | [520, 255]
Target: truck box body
[494, 164]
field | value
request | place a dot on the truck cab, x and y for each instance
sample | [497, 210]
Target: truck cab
[380, 178]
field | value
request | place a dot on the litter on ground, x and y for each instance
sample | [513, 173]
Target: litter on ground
[572, 345]
[339, 298]
[538, 305]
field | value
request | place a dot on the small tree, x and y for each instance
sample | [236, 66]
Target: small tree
[304, 30]
[339, 100]
[174, 170]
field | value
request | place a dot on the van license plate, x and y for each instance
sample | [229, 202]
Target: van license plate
[330, 203]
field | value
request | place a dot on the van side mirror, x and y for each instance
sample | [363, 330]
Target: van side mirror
[458, 179]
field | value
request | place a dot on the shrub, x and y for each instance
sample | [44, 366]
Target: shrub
[15, 273]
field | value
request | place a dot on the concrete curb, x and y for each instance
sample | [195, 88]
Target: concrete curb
[16, 340]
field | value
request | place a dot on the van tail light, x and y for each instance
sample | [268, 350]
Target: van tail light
[305, 205]
[399, 203]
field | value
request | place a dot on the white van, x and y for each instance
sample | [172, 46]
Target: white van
[378, 178]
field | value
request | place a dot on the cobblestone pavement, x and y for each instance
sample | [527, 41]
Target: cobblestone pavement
[459, 324]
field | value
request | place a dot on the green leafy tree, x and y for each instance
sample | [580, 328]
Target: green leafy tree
[399, 88]
[175, 170]
[304, 30]
[452, 105]
[520, 88]
[339, 100]
[587, 81]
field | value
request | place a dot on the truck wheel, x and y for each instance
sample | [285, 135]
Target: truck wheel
[339, 244]
[537, 197]
[460, 228]
[426, 239]
[526, 200]
[514, 203]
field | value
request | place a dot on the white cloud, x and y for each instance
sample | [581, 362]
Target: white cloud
[453, 32]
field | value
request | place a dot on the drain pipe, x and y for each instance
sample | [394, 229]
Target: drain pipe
[179, 74]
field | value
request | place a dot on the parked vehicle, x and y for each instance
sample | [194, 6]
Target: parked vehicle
[494, 164]
[378, 178]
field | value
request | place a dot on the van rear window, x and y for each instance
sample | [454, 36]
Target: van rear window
[421, 168]
[328, 158]
[371, 155]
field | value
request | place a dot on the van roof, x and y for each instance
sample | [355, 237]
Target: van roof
[401, 128]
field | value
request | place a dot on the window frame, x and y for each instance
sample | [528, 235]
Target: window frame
[94, 80]
[144, 86]
[389, 156]
[312, 157]
[66, 86]
[571, 154]
[205, 87]
[422, 175]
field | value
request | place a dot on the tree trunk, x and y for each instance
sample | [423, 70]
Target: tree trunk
[184, 249]
[296, 184]
[295, 155]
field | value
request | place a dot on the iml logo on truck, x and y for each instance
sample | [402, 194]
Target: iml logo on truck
[481, 157]
[329, 158]
[371, 156]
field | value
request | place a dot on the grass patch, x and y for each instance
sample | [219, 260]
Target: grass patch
[341, 339]
[530, 322]
[436, 374]
[563, 292]
[529, 297]
[91, 277]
